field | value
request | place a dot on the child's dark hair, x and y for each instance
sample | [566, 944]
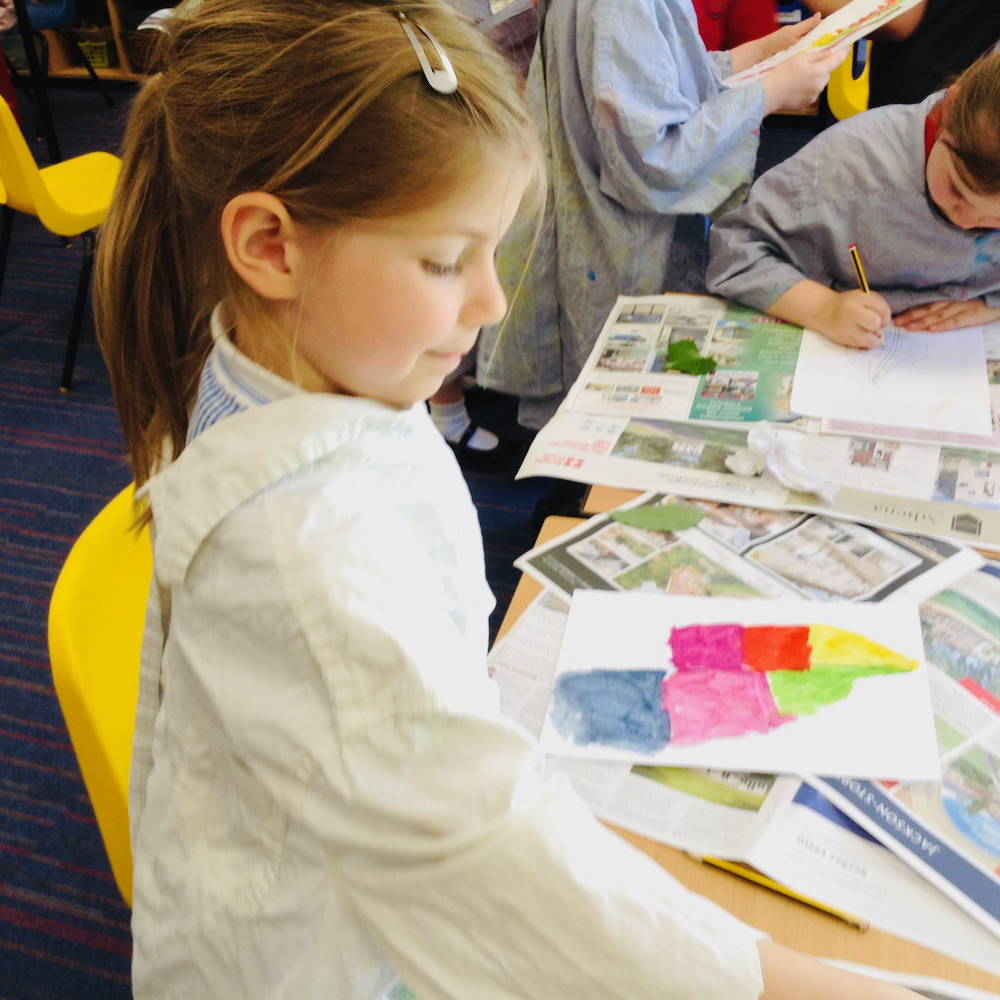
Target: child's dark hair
[973, 125]
[321, 103]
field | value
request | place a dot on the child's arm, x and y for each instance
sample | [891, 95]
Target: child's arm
[851, 318]
[786, 248]
[660, 146]
[947, 315]
[795, 83]
[789, 975]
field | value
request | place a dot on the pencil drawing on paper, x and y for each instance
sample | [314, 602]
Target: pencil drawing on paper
[898, 350]
[728, 680]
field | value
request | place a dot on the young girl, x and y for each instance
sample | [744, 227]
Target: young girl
[915, 187]
[323, 791]
[643, 142]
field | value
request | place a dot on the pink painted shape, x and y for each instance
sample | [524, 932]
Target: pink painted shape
[707, 705]
[707, 647]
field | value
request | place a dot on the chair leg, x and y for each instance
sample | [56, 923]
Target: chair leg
[38, 81]
[89, 245]
[40, 130]
[6, 226]
[100, 84]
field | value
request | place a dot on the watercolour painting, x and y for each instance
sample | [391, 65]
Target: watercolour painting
[768, 685]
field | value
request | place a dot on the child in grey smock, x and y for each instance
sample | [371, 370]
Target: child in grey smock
[915, 187]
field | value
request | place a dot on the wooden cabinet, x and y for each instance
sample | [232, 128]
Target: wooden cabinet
[64, 62]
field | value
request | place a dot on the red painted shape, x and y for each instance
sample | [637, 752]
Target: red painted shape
[776, 647]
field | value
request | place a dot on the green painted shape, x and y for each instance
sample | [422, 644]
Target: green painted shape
[668, 517]
[683, 356]
[805, 692]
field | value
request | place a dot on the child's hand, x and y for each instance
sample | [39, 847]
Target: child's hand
[797, 82]
[937, 316]
[854, 318]
[750, 53]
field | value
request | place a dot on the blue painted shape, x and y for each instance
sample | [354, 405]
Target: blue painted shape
[613, 708]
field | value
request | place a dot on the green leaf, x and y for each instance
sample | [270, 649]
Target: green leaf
[668, 517]
[683, 356]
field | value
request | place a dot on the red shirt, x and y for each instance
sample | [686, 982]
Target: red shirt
[932, 125]
[724, 24]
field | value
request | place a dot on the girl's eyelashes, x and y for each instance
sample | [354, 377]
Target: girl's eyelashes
[433, 267]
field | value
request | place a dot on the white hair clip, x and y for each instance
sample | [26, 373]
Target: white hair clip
[442, 80]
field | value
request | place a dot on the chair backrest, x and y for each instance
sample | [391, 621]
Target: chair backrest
[18, 170]
[847, 91]
[95, 633]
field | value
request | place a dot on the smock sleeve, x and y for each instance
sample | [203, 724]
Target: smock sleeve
[778, 238]
[471, 872]
[672, 139]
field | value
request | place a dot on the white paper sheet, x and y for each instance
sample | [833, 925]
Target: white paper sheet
[888, 717]
[936, 381]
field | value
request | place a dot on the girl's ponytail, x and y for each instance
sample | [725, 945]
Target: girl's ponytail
[150, 320]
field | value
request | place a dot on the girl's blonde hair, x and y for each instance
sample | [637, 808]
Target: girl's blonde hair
[973, 125]
[321, 103]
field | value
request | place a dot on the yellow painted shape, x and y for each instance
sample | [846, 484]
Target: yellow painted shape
[837, 647]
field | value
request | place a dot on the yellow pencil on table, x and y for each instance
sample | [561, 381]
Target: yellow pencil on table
[859, 270]
[753, 875]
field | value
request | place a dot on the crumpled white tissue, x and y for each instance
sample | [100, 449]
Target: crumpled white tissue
[765, 449]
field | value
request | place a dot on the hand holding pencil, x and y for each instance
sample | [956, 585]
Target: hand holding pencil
[854, 318]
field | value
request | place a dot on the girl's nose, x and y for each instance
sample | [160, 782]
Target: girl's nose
[487, 302]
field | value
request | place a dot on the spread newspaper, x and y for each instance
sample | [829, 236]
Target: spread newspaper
[628, 422]
[736, 551]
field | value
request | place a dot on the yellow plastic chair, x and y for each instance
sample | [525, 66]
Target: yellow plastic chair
[847, 91]
[70, 198]
[95, 633]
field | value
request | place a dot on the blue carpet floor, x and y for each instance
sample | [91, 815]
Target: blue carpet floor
[64, 931]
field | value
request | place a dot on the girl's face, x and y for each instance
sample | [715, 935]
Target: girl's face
[956, 201]
[393, 304]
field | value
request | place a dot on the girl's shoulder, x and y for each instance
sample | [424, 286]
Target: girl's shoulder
[371, 447]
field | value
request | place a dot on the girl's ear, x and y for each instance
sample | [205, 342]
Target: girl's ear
[262, 244]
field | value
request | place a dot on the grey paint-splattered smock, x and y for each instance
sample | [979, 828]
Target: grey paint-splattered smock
[642, 142]
[862, 181]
